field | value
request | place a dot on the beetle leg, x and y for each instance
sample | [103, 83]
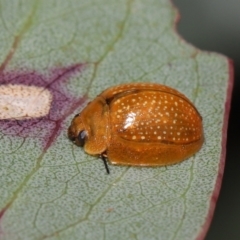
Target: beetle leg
[103, 156]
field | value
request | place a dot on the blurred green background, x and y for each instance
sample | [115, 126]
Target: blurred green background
[215, 26]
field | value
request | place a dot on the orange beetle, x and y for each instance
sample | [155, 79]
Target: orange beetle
[139, 124]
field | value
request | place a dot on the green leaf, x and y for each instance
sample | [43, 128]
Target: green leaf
[51, 189]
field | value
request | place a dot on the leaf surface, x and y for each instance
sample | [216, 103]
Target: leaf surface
[51, 189]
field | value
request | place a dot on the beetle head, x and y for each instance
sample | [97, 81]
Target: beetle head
[89, 128]
[77, 132]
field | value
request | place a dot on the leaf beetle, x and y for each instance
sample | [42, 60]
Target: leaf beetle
[139, 124]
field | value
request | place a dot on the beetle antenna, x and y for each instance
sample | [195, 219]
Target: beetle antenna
[104, 158]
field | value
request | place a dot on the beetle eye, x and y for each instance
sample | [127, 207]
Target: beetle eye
[82, 137]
